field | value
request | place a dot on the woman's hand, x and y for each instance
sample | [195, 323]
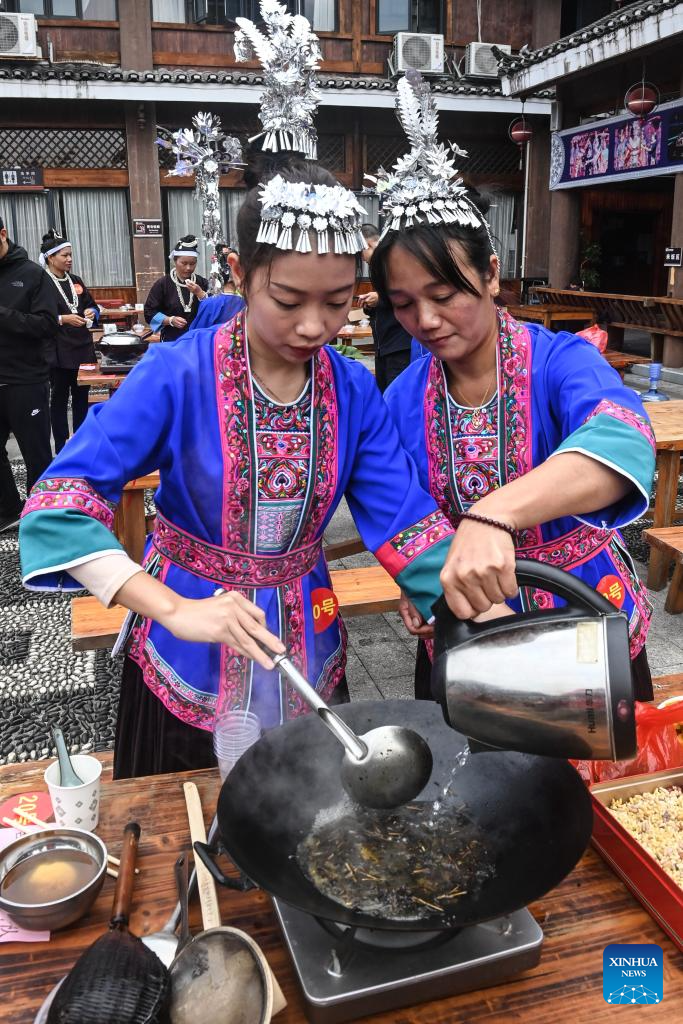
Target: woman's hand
[176, 321]
[72, 320]
[369, 300]
[195, 288]
[480, 568]
[412, 619]
[227, 619]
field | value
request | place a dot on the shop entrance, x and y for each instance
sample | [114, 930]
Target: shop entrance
[632, 226]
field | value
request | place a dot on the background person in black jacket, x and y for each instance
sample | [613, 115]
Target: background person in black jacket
[73, 342]
[391, 342]
[173, 299]
[28, 323]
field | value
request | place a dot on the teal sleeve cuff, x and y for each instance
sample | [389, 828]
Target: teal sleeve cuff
[54, 540]
[420, 578]
[626, 450]
[157, 321]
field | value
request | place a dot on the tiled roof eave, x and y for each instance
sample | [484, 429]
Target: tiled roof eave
[618, 34]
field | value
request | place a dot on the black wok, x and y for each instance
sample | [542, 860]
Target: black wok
[534, 812]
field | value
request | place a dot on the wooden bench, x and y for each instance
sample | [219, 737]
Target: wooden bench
[130, 525]
[367, 591]
[660, 316]
[669, 540]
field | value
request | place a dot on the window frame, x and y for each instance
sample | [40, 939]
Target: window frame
[392, 32]
[15, 8]
[248, 9]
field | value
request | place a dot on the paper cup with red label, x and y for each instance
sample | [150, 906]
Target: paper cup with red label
[76, 806]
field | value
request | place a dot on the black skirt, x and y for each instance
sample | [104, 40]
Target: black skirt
[640, 673]
[152, 741]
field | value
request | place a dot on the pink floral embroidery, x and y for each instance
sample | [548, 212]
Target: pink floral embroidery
[231, 568]
[236, 410]
[401, 550]
[628, 416]
[641, 616]
[71, 493]
[570, 549]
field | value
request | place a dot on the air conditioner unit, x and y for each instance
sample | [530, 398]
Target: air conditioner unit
[18, 36]
[420, 51]
[480, 61]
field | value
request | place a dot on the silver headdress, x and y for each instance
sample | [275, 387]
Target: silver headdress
[290, 57]
[286, 205]
[205, 151]
[423, 186]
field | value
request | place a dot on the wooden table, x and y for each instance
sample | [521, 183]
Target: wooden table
[359, 336]
[95, 377]
[548, 314]
[133, 315]
[667, 423]
[622, 362]
[588, 911]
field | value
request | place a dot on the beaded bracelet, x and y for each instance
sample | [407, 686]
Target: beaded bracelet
[490, 522]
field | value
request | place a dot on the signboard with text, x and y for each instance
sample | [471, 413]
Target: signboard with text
[144, 228]
[619, 148]
[673, 256]
[21, 177]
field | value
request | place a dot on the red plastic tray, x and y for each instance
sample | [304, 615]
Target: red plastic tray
[648, 882]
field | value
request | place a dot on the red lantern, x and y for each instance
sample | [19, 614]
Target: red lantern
[641, 99]
[520, 131]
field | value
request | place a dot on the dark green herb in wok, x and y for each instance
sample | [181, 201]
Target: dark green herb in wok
[404, 864]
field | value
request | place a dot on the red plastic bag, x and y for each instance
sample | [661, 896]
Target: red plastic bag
[659, 732]
[596, 336]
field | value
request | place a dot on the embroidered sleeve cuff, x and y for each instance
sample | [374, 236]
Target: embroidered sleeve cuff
[627, 450]
[52, 542]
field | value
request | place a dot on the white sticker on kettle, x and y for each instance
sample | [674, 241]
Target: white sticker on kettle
[587, 642]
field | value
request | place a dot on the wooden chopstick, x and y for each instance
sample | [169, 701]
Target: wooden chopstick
[22, 828]
[44, 824]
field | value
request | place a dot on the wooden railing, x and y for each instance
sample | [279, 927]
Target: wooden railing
[659, 315]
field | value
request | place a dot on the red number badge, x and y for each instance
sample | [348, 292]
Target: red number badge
[613, 589]
[325, 608]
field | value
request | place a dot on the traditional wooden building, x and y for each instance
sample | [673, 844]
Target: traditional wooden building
[85, 83]
[616, 181]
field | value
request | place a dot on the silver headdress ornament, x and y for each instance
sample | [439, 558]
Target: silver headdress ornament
[290, 56]
[286, 205]
[423, 185]
[205, 151]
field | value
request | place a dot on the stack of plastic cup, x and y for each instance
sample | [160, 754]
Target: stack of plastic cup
[233, 733]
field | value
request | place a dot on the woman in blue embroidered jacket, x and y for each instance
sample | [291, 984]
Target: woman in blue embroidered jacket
[506, 421]
[258, 430]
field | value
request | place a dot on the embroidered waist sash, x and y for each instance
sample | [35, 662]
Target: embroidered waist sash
[570, 549]
[232, 568]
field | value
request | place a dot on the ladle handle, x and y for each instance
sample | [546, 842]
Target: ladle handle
[123, 893]
[208, 899]
[346, 736]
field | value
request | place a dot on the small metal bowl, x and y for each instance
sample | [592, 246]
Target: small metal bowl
[60, 913]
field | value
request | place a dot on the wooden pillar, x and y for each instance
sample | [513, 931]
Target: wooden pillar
[673, 347]
[143, 161]
[538, 206]
[546, 21]
[565, 225]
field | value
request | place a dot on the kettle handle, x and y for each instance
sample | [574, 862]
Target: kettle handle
[573, 590]
[537, 574]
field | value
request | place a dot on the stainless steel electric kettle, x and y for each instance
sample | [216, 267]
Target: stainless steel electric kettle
[555, 682]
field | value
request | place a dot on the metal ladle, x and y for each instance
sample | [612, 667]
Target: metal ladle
[382, 768]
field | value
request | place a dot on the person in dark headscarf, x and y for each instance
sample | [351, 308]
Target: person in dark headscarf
[73, 342]
[223, 250]
[174, 299]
